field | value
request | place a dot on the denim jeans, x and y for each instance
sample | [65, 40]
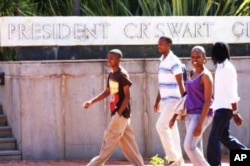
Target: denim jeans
[191, 143]
[220, 133]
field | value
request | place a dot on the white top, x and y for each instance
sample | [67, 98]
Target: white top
[168, 86]
[225, 86]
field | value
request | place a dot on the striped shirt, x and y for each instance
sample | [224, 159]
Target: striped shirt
[168, 86]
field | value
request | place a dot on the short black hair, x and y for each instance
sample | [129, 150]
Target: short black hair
[167, 39]
[220, 52]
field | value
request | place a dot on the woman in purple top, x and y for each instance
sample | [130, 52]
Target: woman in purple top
[199, 98]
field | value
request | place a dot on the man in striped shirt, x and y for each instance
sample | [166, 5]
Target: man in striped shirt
[171, 88]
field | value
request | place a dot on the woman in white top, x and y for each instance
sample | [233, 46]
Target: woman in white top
[224, 104]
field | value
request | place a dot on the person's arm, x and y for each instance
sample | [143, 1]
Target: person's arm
[235, 98]
[157, 101]
[179, 79]
[236, 116]
[208, 93]
[232, 94]
[98, 98]
[125, 102]
[172, 121]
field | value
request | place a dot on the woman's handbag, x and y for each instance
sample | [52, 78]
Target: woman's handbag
[180, 108]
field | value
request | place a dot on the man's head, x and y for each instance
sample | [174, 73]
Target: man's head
[114, 57]
[220, 52]
[164, 45]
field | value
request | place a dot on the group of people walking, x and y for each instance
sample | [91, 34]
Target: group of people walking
[208, 102]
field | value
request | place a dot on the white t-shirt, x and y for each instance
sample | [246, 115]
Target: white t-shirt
[225, 86]
[169, 67]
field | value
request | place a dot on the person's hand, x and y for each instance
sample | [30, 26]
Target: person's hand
[238, 119]
[197, 130]
[157, 107]
[87, 104]
[119, 113]
[171, 123]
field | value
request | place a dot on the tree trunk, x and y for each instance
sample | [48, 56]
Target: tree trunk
[76, 7]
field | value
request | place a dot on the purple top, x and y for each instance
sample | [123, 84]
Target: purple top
[195, 96]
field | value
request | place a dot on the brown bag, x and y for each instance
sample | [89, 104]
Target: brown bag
[180, 108]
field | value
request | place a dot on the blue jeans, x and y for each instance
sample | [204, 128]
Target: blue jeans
[191, 143]
[220, 133]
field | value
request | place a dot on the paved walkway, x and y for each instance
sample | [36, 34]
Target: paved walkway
[81, 163]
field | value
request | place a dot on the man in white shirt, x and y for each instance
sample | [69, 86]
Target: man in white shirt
[171, 88]
[224, 104]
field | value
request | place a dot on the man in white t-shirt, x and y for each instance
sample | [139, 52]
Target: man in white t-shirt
[225, 105]
[171, 88]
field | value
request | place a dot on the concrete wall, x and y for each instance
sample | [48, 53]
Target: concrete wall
[43, 102]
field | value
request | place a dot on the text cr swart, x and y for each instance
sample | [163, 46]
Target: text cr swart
[22, 31]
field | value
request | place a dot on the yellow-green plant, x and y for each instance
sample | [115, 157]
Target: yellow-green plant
[17, 8]
[157, 161]
[125, 7]
[165, 7]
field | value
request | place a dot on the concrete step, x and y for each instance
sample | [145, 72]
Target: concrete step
[8, 144]
[10, 155]
[5, 131]
[3, 120]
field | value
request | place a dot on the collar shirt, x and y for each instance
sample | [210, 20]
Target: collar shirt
[169, 67]
[225, 86]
